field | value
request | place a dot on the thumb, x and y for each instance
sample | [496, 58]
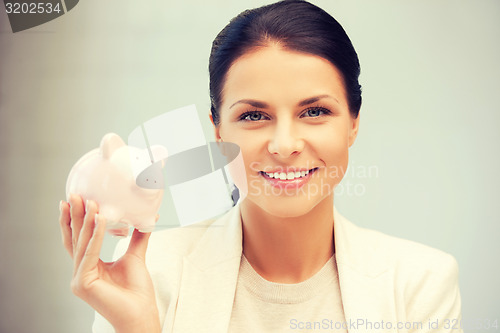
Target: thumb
[139, 243]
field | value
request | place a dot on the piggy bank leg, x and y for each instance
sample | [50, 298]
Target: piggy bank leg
[115, 225]
[147, 226]
[146, 229]
[119, 229]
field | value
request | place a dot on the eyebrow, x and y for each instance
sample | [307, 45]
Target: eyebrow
[263, 105]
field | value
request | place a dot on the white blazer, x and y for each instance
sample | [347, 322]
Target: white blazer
[387, 284]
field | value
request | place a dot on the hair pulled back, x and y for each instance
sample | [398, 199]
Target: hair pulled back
[295, 25]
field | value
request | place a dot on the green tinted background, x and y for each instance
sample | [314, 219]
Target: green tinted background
[428, 141]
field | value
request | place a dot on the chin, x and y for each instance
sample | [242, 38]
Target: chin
[285, 212]
[283, 208]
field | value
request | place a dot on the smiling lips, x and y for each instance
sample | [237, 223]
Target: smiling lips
[289, 179]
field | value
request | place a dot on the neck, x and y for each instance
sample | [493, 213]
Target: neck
[288, 249]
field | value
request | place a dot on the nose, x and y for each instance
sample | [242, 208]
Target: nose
[285, 140]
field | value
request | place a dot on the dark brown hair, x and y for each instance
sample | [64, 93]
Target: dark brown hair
[295, 25]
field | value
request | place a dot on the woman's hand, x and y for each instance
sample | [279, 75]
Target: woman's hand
[121, 291]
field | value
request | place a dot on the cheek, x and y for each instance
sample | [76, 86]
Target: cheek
[332, 147]
[253, 148]
[237, 169]
[247, 165]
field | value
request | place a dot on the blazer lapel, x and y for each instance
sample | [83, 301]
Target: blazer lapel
[210, 273]
[366, 283]
[209, 277]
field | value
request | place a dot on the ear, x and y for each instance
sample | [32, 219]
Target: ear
[216, 128]
[353, 130]
[109, 143]
[159, 153]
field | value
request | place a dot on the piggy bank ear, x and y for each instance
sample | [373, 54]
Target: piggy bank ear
[109, 143]
[159, 153]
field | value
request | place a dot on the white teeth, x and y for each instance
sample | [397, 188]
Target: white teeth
[287, 176]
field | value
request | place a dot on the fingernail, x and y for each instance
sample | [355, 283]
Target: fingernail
[96, 219]
[86, 205]
[60, 205]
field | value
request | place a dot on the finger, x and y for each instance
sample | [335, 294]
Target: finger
[77, 212]
[139, 243]
[65, 221]
[91, 256]
[86, 232]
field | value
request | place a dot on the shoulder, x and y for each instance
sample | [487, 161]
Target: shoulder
[176, 241]
[426, 278]
[389, 252]
[204, 243]
[179, 240]
[414, 267]
[407, 254]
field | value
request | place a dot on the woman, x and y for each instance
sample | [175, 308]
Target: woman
[284, 87]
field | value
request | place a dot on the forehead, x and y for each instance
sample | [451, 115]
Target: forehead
[277, 75]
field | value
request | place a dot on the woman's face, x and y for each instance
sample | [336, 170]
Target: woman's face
[288, 113]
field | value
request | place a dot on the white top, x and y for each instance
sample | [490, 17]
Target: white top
[264, 306]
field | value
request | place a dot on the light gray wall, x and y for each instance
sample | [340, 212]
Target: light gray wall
[424, 167]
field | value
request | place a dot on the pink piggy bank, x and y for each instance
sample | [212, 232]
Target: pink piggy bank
[125, 181]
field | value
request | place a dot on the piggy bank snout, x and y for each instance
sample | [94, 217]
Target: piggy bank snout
[152, 177]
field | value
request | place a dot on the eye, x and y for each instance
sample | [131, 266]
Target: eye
[252, 116]
[314, 112]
